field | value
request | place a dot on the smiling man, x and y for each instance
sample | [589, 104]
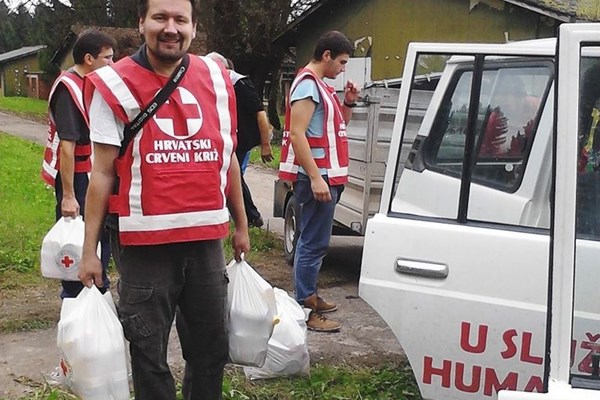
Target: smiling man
[170, 188]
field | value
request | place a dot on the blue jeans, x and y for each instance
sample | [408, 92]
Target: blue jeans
[244, 162]
[80, 184]
[156, 282]
[316, 221]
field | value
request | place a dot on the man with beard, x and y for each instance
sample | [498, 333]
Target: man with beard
[170, 188]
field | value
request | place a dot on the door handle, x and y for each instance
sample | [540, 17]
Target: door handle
[419, 268]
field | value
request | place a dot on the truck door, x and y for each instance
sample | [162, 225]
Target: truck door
[573, 345]
[456, 260]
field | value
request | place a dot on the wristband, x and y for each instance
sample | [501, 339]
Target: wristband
[349, 105]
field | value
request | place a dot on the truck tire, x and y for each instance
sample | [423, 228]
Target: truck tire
[290, 230]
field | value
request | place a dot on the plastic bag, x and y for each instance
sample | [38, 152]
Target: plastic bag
[287, 353]
[92, 346]
[252, 315]
[61, 249]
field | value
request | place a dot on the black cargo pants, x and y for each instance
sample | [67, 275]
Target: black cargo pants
[156, 280]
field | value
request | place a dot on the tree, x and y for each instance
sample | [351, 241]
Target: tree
[9, 39]
[244, 30]
[123, 14]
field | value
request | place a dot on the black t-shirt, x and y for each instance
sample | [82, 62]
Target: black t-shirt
[70, 124]
[248, 104]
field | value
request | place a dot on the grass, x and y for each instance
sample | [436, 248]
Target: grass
[389, 382]
[25, 107]
[26, 205]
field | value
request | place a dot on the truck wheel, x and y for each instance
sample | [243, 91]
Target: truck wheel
[290, 230]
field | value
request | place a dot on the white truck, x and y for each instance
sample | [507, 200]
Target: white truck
[484, 255]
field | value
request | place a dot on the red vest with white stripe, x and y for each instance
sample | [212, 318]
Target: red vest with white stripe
[334, 139]
[51, 162]
[173, 175]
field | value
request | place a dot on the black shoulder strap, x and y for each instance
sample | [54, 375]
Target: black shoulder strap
[134, 126]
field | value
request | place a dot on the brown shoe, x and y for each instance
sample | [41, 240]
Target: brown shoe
[318, 323]
[319, 305]
[325, 307]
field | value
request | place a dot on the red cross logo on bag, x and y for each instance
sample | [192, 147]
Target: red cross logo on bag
[68, 258]
[67, 261]
[180, 116]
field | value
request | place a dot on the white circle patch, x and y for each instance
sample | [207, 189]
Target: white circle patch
[180, 116]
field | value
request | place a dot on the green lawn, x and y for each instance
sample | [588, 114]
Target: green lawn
[26, 204]
[26, 107]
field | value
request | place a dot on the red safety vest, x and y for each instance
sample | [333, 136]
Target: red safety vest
[51, 162]
[173, 175]
[334, 139]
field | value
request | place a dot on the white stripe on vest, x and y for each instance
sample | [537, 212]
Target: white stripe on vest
[120, 90]
[224, 118]
[50, 167]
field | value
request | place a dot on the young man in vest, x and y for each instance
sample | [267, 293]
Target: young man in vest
[171, 188]
[67, 159]
[314, 156]
[253, 130]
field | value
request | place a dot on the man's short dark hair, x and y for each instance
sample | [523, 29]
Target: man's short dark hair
[91, 41]
[143, 9]
[336, 42]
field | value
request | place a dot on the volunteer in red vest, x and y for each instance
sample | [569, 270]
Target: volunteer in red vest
[171, 189]
[314, 156]
[67, 158]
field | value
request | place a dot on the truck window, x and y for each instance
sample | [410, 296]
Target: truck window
[510, 95]
[586, 330]
[588, 168]
[510, 100]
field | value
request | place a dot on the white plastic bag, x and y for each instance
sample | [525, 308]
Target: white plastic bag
[61, 249]
[287, 353]
[92, 346]
[252, 314]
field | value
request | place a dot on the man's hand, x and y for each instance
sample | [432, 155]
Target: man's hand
[266, 154]
[69, 206]
[351, 91]
[90, 270]
[240, 242]
[320, 189]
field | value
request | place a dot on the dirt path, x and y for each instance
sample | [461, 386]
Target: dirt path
[365, 339]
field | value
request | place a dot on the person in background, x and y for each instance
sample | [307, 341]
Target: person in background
[314, 155]
[253, 130]
[172, 189]
[67, 157]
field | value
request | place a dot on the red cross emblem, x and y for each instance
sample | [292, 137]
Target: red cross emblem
[180, 117]
[67, 261]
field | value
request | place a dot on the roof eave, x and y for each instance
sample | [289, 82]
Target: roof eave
[25, 54]
[291, 28]
[565, 17]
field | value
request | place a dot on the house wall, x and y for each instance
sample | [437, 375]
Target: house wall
[15, 74]
[387, 26]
